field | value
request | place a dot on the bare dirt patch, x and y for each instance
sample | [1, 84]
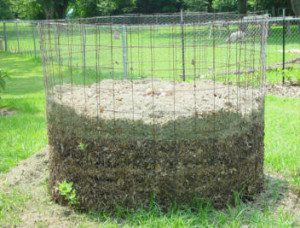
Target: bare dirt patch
[284, 90]
[31, 177]
[7, 112]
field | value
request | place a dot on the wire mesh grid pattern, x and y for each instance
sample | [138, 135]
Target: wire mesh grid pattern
[173, 110]
[283, 49]
[22, 36]
[84, 54]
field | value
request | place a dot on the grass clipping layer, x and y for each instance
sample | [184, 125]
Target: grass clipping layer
[202, 140]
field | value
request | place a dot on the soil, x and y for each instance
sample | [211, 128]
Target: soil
[287, 90]
[31, 175]
[7, 112]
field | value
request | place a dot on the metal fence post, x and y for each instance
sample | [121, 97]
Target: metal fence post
[5, 36]
[263, 52]
[182, 44]
[34, 39]
[18, 36]
[124, 48]
[283, 46]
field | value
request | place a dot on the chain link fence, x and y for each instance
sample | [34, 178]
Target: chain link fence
[283, 51]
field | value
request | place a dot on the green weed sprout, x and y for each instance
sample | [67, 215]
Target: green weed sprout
[82, 146]
[67, 190]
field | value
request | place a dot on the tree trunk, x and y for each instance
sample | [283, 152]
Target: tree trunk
[209, 6]
[242, 6]
[296, 7]
[60, 8]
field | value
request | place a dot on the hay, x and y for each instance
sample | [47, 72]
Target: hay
[210, 153]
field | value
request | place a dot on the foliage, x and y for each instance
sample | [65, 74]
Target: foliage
[67, 190]
[84, 8]
[82, 146]
[41, 9]
[90, 8]
[292, 75]
[27, 9]
[5, 9]
[272, 6]
[225, 5]
[196, 5]
[158, 6]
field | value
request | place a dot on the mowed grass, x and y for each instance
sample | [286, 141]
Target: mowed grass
[151, 50]
[23, 133]
[282, 138]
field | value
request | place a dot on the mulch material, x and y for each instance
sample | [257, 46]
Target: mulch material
[129, 162]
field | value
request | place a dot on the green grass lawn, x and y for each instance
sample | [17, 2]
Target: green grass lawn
[23, 134]
[165, 54]
[282, 138]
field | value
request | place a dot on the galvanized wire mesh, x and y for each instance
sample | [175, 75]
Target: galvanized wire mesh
[173, 109]
[229, 53]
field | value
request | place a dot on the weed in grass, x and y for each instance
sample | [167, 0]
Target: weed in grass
[67, 190]
[82, 146]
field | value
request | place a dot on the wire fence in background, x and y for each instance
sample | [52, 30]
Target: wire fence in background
[283, 51]
[20, 37]
[283, 47]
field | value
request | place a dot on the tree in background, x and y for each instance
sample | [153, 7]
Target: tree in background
[27, 9]
[40, 9]
[85, 8]
[158, 6]
[91, 8]
[296, 7]
[5, 9]
[274, 7]
[242, 6]
[225, 5]
[198, 5]
[52, 9]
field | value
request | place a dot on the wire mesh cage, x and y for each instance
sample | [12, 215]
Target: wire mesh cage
[140, 107]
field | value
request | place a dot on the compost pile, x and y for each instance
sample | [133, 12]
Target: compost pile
[124, 142]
